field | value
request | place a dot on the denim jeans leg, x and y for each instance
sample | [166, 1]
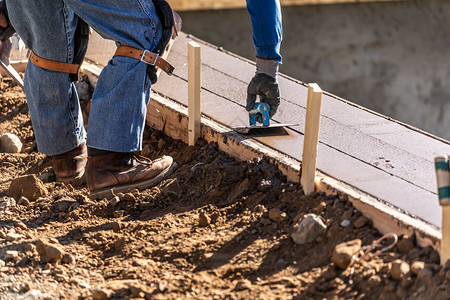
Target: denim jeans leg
[118, 108]
[47, 28]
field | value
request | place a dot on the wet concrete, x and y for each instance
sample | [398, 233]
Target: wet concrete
[391, 57]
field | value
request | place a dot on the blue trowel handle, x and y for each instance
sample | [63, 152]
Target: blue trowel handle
[263, 109]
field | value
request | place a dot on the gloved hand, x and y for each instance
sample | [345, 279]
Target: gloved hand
[265, 85]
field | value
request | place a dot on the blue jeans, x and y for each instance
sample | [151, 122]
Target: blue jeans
[118, 108]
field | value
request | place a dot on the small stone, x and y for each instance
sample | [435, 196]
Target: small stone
[145, 205]
[417, 266]
[28, 286]
[342, 254]
[20, 225]
[243, 284]
[48, 252]
[11, 255]
[23, 201]
[407, 281]
[308, 229]
[345, 223]
[13, 237]
[113, 201]
[118, 213]
[360, 222]
[99, 294]
[28, 186]
[129, 197]
[399, 269]
[119, 244]
[2, 263]
[64, 204]
[405, 245]
[67, 258]
[117, 226]
[203, 219]
[10, 143]
[277, 215]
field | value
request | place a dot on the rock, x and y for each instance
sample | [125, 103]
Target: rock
[10, 143]
[244, 284]
[308, 229]
[277, 215]
[2, 263]
[67, 258]
[13, 237]
[405, 245]
[99, 294]
[342, 254]
[48, 252]
[117, 226]
[399, 269]
[119, 244]
[28, 186]
[345, 223]
[20, 225]
[113, 201]
[129, 197]
[11, 255]
[23, 201]
[417, 266]
[203, 219]
[360, 222]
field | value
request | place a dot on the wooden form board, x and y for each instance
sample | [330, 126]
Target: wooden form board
[311, 140]
[226, 4]
[194, 91]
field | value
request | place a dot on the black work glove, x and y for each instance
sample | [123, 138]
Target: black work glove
[265, 86]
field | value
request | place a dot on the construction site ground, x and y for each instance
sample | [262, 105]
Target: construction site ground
[218, 228]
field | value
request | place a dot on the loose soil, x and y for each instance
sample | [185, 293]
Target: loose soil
[204, 233]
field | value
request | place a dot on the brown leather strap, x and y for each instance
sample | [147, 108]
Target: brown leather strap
[147, 57]
[54, 65]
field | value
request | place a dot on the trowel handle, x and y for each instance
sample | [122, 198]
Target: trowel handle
[263, 109]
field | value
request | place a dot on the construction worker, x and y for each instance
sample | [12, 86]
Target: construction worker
[57, 33]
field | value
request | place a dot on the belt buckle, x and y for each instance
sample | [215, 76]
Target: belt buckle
[149, 63]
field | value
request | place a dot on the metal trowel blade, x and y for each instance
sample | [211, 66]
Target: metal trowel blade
[247, 129]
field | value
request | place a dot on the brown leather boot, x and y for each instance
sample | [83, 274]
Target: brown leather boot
[113, 173]
[69, 166]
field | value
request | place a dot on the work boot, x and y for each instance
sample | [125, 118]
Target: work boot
[69, 166]
[113, 173]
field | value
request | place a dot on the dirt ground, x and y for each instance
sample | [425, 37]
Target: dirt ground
[216, 229]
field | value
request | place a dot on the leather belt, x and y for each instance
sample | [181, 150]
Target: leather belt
[53, 65]
[146, 57]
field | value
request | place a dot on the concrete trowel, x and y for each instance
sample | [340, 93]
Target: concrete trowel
[260, 111]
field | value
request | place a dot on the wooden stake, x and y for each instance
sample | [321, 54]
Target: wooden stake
[194, 91]
[311, 140]
[443, 183]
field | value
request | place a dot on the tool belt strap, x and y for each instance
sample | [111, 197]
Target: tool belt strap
[53, 65]
[147, 57]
